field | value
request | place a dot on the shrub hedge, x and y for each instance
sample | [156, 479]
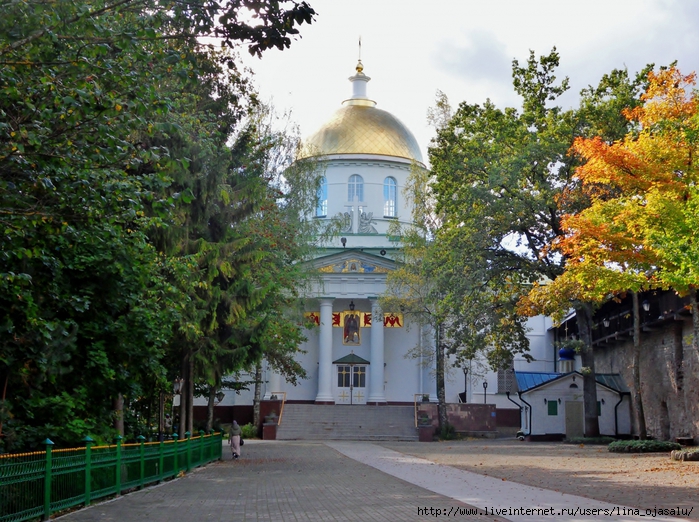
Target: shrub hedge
[643, 446]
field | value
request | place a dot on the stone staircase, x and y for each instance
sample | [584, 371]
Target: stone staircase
[344, 422]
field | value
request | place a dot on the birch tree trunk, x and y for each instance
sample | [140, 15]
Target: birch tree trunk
[441, 394]
[258, 394]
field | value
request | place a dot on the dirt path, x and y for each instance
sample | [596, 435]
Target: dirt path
[642, 481]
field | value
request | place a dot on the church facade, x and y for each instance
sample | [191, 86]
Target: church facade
[356, 352]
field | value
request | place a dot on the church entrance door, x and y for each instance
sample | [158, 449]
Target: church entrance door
[351, 384]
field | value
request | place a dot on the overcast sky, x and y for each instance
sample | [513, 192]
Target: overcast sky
[412, 48]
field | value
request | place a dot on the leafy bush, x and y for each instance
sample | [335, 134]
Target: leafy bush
[448, 432]
[643, 446]
[249, 431]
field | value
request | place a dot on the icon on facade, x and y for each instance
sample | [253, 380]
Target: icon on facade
[351, 333]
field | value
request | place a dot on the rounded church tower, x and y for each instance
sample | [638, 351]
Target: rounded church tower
[367, 155]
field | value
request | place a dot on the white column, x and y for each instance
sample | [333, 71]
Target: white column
[325, 352]
[376, 368]
[274, 382]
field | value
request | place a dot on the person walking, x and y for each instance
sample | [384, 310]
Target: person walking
[168, 426]
[234, 439]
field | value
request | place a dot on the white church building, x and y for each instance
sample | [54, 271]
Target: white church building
[359, 354]
[356, 353]
[351, 357]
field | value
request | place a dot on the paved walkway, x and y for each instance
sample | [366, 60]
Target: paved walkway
[337, 481]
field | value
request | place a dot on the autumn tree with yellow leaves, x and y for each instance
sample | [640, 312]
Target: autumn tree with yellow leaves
[641, 229]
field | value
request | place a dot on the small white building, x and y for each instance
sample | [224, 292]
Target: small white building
[552, 405]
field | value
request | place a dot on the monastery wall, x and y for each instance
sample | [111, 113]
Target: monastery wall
[669, 378]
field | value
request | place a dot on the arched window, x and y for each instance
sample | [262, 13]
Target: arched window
[322, 208]
[355, 188]
[390, 191]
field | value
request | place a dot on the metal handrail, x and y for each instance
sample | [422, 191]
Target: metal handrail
[281, 410]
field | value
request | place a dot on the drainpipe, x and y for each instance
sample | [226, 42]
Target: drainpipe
[507, 394]
[519, 394]
[616, 419]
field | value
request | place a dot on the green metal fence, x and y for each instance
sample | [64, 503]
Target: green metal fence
[35, 485]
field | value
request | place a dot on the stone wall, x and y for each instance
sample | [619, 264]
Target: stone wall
[466, 418]
[669, 378]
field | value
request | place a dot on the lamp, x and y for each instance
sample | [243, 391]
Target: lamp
[485, 388]
[343, 240]
[219, 396]
[546, 401]
[177, 386]
[351, 305]
[465, 383]
[605, 322]
[602, 401]
[646, 305]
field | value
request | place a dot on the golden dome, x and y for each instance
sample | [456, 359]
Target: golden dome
[361, 128]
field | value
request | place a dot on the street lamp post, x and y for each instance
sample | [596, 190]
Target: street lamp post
[485, 388]
[465, 384]
[464, 395]
[176, 391]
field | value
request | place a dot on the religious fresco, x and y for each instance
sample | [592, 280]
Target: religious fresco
[312, 317]
[351, 334]
[353, 266]
[363, 319]
[393, 320]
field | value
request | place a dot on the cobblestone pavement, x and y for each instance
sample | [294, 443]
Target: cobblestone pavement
[285, 482]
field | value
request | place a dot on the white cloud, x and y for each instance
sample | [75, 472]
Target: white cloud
[465, 48]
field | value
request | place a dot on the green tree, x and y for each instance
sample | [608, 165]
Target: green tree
[638, 231]
[83, 291]
[500, 177]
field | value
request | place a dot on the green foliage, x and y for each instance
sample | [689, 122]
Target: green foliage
[448, 432]
[643, 446]
[576, 345]
[249, 431]
[503, 180]
[114, 130]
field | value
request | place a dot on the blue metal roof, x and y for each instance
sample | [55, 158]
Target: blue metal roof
[529, 380]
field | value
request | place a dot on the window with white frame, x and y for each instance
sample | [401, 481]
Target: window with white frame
[355, 187]
[390, 192]
[322, 208]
